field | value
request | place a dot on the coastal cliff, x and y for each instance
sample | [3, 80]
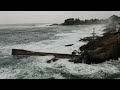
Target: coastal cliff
[102, 48]
[77, 21]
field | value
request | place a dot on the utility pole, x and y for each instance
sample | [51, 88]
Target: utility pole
[93, 41]
[93, 33]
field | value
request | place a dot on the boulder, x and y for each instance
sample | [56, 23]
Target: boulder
[69, 45]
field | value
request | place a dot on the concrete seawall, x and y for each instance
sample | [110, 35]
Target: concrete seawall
[31, 53]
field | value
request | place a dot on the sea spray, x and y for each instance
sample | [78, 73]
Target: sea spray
[82, 70]
[35, 67]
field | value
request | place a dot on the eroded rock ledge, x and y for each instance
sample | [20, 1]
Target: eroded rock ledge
[101, 49]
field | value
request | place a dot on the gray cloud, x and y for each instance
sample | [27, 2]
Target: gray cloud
[8, 17]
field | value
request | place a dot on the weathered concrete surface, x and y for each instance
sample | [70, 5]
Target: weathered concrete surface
[31, 53]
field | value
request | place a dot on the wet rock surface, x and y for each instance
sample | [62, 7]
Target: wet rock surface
[102, 48]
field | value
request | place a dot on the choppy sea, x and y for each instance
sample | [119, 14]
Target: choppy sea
[45, 38]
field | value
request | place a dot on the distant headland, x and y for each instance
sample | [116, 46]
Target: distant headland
[77, 21]
[98, 48]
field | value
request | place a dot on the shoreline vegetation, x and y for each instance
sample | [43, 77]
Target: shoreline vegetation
[102, 48]
[77, 21]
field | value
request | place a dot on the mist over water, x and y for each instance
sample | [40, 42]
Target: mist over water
[41, 37]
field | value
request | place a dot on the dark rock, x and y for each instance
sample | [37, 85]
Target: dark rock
[74, 52]
[49, 61]
[54, 24]
[86, 39]
[52, 60]
[104, 48]
[69, 45]
[51, 78]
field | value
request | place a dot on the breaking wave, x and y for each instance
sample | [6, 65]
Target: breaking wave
[34, 67]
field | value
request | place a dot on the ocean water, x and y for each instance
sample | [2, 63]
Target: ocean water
[42, 37]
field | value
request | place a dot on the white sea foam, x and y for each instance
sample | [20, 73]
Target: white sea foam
[27, 68]
[33, 69]
[7, 73]
[57, 46]
[93, 71]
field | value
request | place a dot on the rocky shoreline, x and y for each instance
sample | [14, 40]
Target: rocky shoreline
[102, 48]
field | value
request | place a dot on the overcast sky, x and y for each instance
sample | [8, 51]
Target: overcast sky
[12, 17]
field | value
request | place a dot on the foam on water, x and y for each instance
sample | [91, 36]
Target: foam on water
[7, 73]
[89, 71]
[36, 67]
[30, 67]
[57, 46]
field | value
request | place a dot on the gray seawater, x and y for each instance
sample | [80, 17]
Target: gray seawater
[35, 67]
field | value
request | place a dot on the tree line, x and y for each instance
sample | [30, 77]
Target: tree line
[77, 21]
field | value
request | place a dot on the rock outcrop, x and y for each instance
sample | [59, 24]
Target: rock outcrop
[102, 48]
